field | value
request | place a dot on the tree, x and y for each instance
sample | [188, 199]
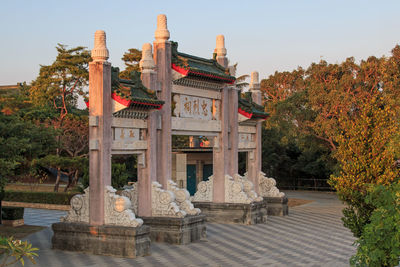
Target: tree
[66, 165]
[74, 143]
[368, 146]
[131, 60]
[282, 84]
[20, 143]
[60, 83]
[379, 244]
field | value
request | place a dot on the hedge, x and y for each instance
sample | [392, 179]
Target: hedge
[59, 198]
[12, 213]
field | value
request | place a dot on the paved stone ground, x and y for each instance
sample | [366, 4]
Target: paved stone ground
[312, 235]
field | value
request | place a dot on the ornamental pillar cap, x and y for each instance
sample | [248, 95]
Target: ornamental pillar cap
[254, 81]
[147, 61]
[220, 46]
[100, 51]
[162, 33]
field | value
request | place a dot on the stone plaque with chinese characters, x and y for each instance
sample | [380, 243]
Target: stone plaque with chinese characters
[126, 135]
[196, 107]
[246, 137]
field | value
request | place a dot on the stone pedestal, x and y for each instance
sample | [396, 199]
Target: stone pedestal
[110, 240]
[277, 206]
[177, 231]
[239, 213]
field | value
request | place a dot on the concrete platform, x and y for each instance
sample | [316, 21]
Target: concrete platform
[253, 213]
[110, 240]
[277, 206]
[177, 231]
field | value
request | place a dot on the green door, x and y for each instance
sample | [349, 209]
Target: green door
[207, 171]
[191, 179]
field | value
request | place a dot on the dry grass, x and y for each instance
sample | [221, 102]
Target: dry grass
[19, 232]
[293, 202]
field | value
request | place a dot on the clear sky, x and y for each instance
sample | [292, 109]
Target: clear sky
[266, 36]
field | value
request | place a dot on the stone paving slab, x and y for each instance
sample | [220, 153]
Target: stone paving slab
[312, 235]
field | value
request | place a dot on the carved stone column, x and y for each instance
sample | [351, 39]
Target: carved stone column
[254, 158]
[99, 128]
[147, 172]
[220, 151]
[233, 131]
[162, 58]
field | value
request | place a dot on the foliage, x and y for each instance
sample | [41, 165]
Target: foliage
[130, 161]
[58, 198]
[3, 182]
[60, 83]
[75, 135]
[131, 60]
[67, 165]
[16, 251]
[12, 213]
[379, 244]
[119, 176]
[368, 146]
[307, 108]
[20, 143]
[11, 101]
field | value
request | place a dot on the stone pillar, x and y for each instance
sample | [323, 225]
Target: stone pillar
[221, 152]
[147, 172]
[162, 58]
[181, 170]
[233, 131]
[254, 88]
[254, 157]
[220, 51]
[100, 128]
[199, 171]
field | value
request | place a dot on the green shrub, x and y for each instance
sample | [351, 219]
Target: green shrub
[379, 243]
[12, 213]
[59, 198]
[119, 176]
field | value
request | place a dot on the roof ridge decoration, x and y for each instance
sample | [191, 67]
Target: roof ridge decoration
[190, 65]
[250, 109]
[131, 92]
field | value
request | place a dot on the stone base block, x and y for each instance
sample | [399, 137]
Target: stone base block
[178, 231]
[110, 240]
[252, 213]
[13, 223]
[277, 206]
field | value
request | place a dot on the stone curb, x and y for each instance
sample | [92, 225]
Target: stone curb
[35, 205]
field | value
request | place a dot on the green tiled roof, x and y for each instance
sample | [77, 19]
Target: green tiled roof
[197, 66]
[246, 104]
[133, 90]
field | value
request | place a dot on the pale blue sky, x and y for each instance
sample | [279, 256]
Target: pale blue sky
[260, 35]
